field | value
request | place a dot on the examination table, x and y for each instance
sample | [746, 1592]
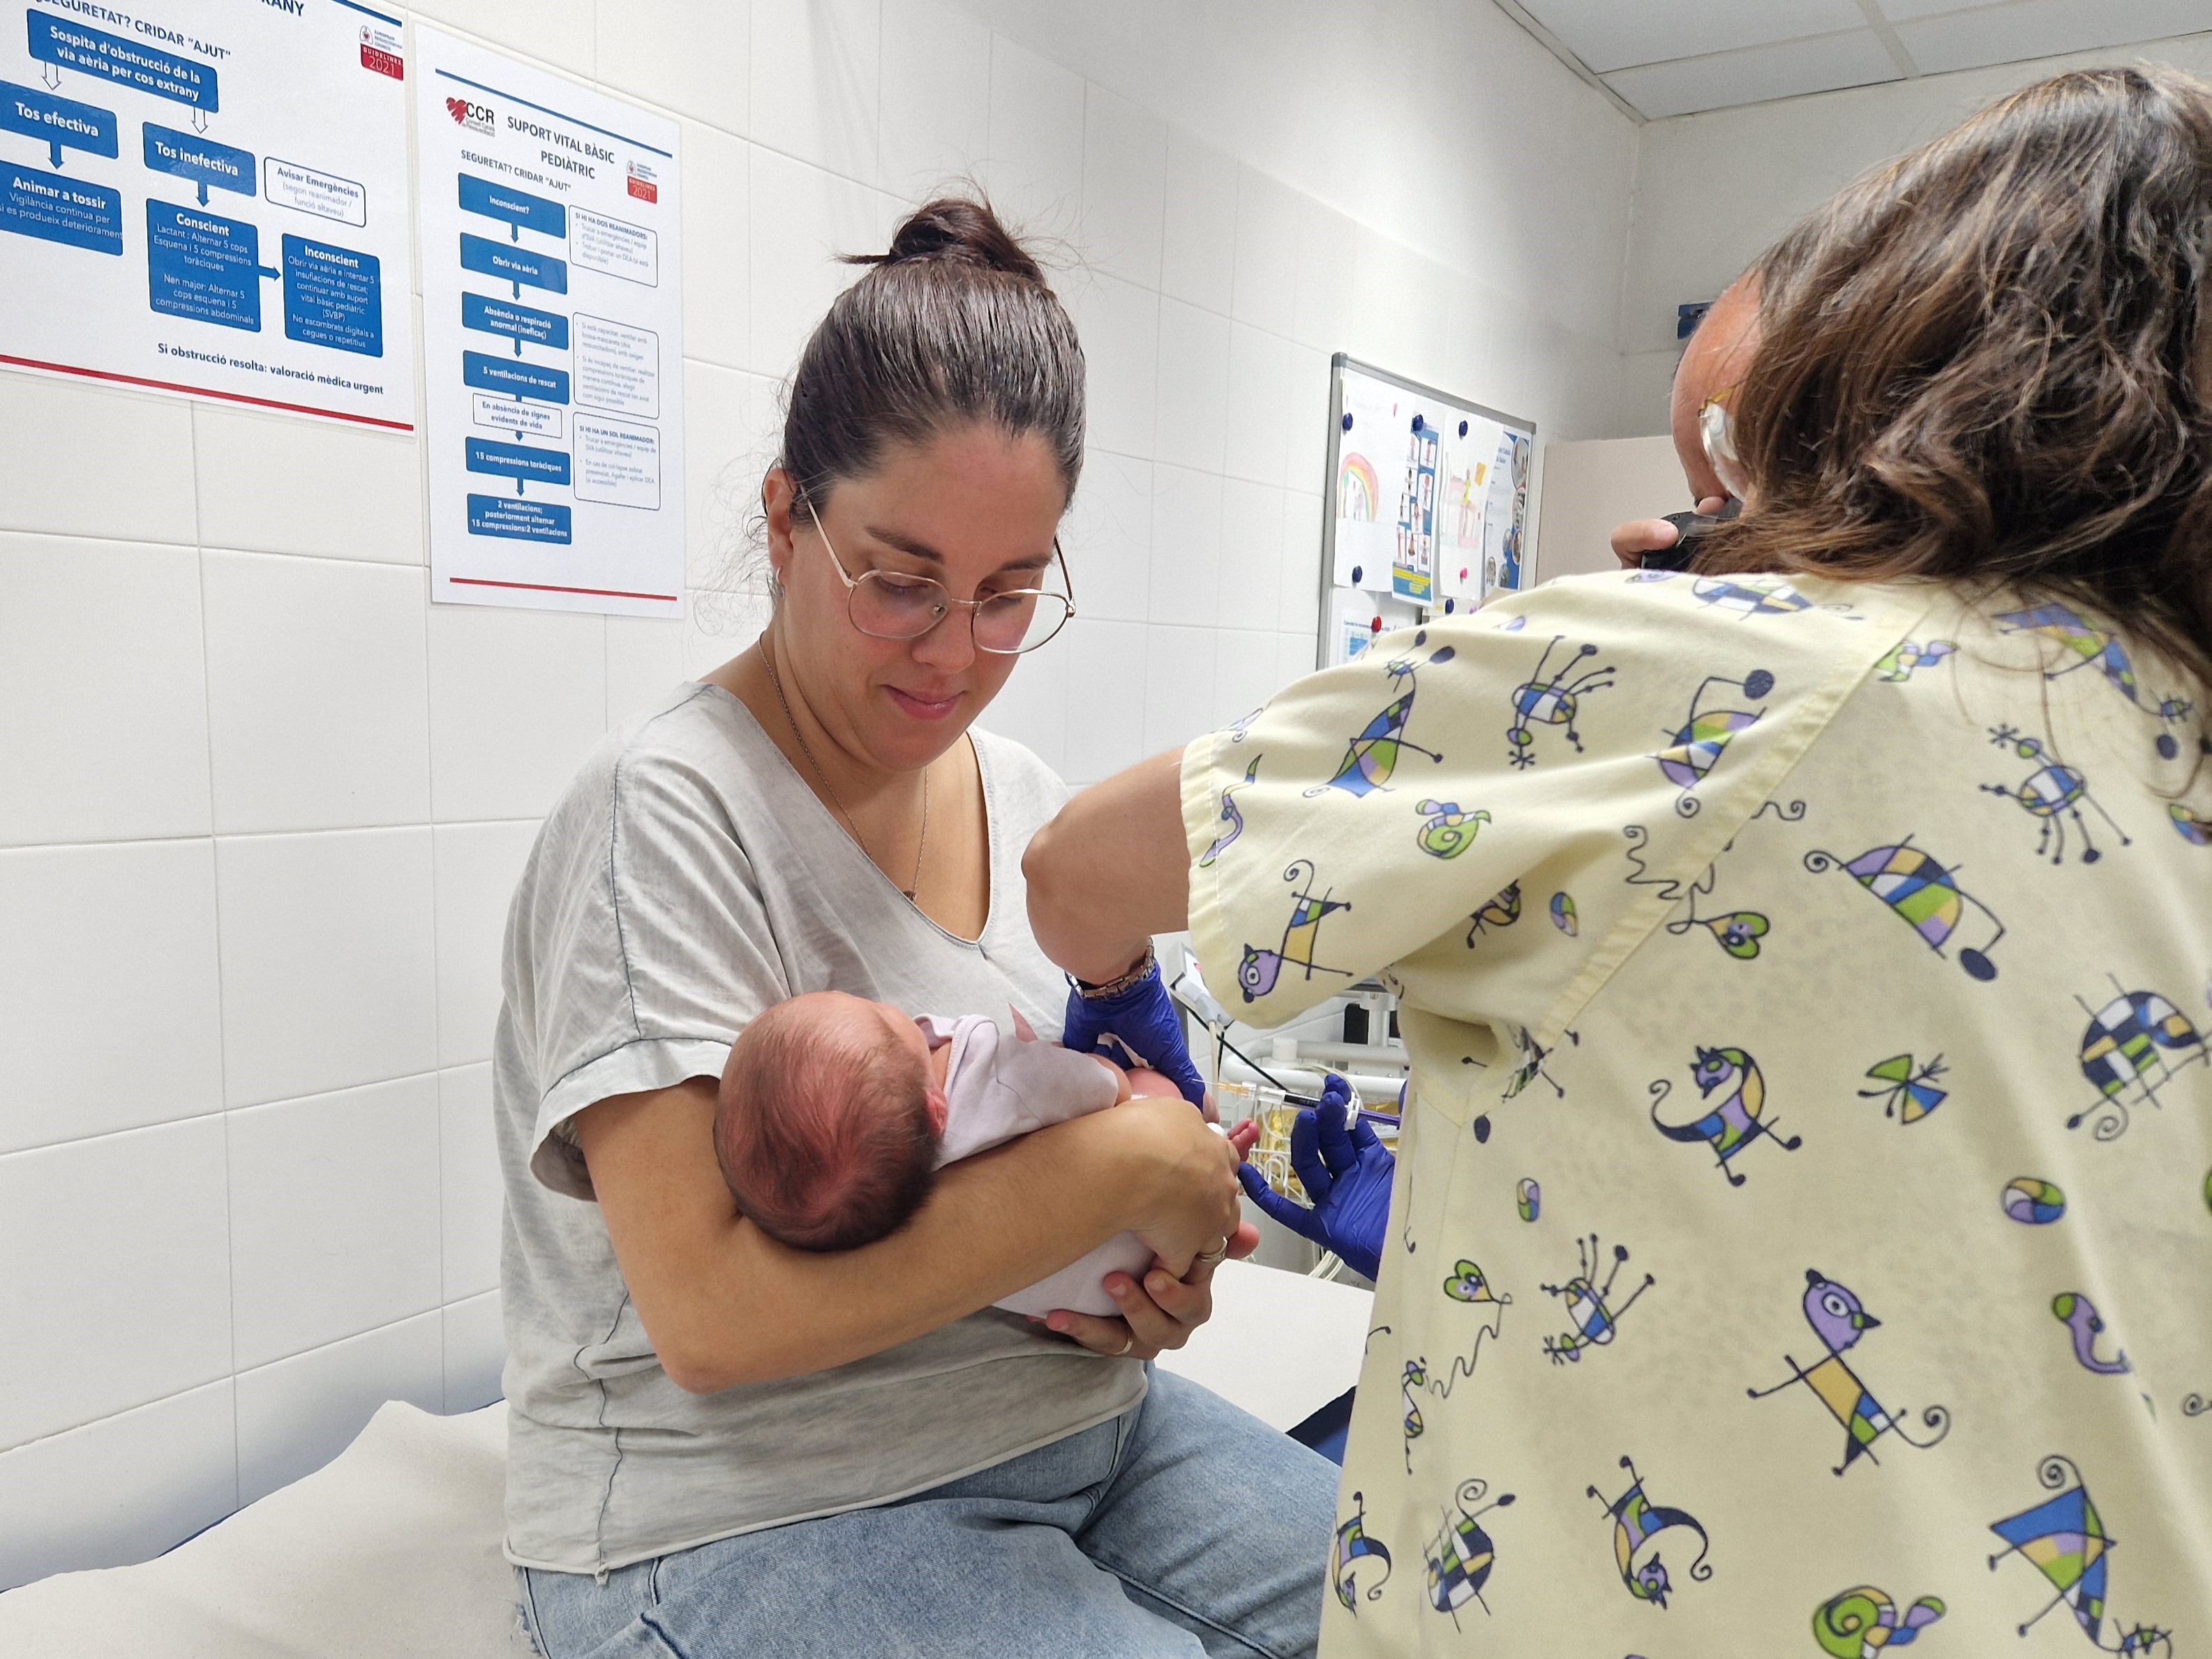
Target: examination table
[391, 1551]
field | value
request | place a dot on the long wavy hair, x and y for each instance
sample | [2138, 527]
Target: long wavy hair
[1990, 362]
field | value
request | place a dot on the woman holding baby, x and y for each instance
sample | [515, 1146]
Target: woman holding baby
[719, 1442]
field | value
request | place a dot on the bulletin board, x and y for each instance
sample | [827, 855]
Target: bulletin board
[1425, 509]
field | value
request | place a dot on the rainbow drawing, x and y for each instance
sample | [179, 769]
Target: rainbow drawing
[1357, 489]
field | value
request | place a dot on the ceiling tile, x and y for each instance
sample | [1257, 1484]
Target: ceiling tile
[1611, 34]
[1719, 80]
[2044, 28]
[1901, 11]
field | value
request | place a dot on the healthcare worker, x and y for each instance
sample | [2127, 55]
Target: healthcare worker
[1804, 1203]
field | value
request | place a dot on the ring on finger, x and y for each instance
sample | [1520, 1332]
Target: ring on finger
[1220, 1251]
[1128, 1343]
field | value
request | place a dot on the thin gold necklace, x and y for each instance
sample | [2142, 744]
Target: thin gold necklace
[767, 659]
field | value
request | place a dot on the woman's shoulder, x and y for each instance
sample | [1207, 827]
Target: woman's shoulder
[691, 754]
[1015, 780]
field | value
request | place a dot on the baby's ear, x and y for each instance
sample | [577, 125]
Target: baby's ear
[1023, 1029]
[939, 1109]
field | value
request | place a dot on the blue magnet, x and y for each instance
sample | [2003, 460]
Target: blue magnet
[1448, 607]
[1462, 428]
[1347, 422]
[1417, 424]
[1355, 575]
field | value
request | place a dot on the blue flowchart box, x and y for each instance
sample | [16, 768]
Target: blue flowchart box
[58, 209]
[68, 45]
[518, 322]
[206, 163]
[513, 264]
[489, 373]
[333, 296]
[59, 124]
[521, 210]
[204, 266]
[517, 461]
[518, 519]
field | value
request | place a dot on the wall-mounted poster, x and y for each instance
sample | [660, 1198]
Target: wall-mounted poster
[210, 200]
[1426, 496]
[552, 339]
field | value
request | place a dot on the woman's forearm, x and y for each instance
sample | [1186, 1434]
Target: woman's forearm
[724, 1305]
[1111, 870]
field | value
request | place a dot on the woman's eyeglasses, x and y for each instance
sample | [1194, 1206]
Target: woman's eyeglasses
[890, 605]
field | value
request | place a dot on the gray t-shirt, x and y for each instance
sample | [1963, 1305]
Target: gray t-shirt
[686, 880]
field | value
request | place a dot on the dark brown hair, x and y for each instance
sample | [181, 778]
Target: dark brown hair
[956, 323]
[1987, 361]
[825, 1138]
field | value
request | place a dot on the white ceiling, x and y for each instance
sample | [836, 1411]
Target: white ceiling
[1675, 57]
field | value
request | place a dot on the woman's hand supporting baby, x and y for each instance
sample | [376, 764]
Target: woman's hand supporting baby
[1180, 1178]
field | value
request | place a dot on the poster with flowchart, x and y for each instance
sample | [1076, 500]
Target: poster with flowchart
[210, 200]
[552, 339]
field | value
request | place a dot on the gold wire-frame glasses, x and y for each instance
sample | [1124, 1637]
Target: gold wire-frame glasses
[892, 605]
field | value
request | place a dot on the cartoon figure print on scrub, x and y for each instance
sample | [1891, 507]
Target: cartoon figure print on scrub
[1260, 970]
[1470, 1286]
[1736, 932]
[1910, 1091]
[1840, 1321]
[2091, 644]
[1908, 657]
[1862, 1622]
[1923, 893]
[2034, 1202]
[1231, 816]
[1755, 598]
[1590, 1308]
[1445, 832]
[2052, 789]
[1349, 1558]
[2080, 1316]
[1636, 1522]
[1461, 1556]
[2127, 1053]
[1706, 732]
[1531, 1068]
[2063, 1538]
[1736, 1122]
[1552, 697]
[1372, 758]
[1414, 1381]
[1502, 911]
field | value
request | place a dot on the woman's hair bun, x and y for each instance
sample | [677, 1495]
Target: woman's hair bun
[954, 230]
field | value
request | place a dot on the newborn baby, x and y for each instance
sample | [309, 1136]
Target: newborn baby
[836, 1114]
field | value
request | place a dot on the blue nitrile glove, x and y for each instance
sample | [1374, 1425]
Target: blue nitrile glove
[1145, 1022]
[1346, 1172]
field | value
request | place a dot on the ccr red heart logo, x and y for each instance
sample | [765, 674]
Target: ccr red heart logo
[464, 113]
[457, 108]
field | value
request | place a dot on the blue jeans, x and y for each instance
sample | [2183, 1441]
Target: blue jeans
[1185, 1527]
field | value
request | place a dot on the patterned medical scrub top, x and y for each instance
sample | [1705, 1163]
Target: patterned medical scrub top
[1801, 1240]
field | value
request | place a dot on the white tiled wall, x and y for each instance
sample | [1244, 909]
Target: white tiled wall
[263, 804]
[1741, 177]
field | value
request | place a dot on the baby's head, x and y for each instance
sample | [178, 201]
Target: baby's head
[829, 1120]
